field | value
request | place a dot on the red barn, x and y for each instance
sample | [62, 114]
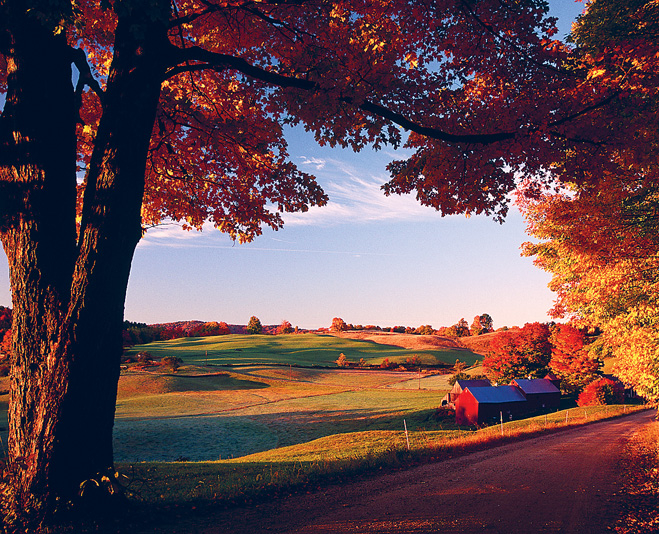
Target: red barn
[460, 386]
[540, 393]
[478, 405]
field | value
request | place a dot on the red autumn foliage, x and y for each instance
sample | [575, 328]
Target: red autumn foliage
[519, 353]
[602, 391]
[570, 360]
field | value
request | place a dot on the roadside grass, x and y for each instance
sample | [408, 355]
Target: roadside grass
[293, 349]
[331, 459]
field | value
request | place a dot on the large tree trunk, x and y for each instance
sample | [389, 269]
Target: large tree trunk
[111, 228]
[68, 296]
[38, 235]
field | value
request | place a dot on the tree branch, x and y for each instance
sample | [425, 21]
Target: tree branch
[210, 60]
[79, 59]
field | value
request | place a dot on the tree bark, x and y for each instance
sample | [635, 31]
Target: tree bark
[38, 235]
[110, 231]
[68, 289]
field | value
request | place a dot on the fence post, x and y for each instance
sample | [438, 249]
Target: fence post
[501, 415]
[407, 437]
[566, 414]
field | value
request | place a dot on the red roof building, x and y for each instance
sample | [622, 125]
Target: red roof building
[460, 386]
[488, 404]
[553, 377]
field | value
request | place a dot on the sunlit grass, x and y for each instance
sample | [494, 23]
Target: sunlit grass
[293, 349]
[203, 425]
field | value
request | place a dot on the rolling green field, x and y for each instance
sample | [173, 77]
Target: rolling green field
[262, 392]
[295, 349]
[257, 408]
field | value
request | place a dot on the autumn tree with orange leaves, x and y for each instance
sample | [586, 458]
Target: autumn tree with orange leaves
[519, 353]
[570, 359]
[598, 235]
[177, 111]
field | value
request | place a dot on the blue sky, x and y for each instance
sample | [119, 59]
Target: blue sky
[366, 258]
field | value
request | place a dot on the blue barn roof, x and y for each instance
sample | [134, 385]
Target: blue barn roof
[496, 394]
[471, 383]
[535, 385]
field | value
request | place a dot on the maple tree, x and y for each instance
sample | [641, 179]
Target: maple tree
[176, 111]
[598, 234]
[570, 359]
[605, 271]
[520, 353]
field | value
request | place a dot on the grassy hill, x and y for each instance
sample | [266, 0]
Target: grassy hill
[296, 349]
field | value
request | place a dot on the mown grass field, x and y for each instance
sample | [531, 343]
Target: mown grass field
[256, 408]
[248, 422]
[270, 392]
[295, 349]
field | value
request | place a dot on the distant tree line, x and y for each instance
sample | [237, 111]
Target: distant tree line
[482, 324]
[141, 333]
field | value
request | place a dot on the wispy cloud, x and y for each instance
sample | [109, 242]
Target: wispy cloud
[356, 196]
[317, 163]
[177, 238]
[173, 236]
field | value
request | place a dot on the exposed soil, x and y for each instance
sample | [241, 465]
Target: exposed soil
[567, 482]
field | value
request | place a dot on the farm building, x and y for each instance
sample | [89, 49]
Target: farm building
[630, 392]
[486, 404]
[460, 386]
[551, 376]
[540, 393]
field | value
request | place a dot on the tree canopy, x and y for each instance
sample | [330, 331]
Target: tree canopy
[598, 234]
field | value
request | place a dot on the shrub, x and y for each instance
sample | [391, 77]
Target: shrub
[173, 362]
[144, 357]
[342, 361]
[601, 391]
[386, 364]
[444, 414]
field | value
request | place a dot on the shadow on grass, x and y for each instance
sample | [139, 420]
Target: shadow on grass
[209, 437]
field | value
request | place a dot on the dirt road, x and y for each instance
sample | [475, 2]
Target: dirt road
[566, 482]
